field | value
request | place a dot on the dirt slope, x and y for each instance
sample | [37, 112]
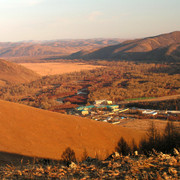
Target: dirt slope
[14, 73]
[35, 132]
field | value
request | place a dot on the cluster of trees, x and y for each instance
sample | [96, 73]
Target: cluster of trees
[153, 142]
[164, 142]
[173, 104]
[135, 85]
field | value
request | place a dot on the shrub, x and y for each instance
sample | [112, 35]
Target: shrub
[84, 155]
[122, 147]
[134, 146]
[68, 156]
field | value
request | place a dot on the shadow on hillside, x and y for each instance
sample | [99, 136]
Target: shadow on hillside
[18, 159]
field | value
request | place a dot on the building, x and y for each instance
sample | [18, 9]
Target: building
[102, 102]
[123, 110]
[113, 107]
[149, 112]
[109, 102]
[80, 108]
[99, 102]
[84, 112]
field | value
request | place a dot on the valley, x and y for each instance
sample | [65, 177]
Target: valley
[49, 103]
[125, 84]
[45, 69]
[89, 90]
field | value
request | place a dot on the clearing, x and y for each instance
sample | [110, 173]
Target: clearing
[45, 69]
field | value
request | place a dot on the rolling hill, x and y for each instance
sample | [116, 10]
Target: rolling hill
[11, 73]
[34, 132]
[165, 47]
[56, 47]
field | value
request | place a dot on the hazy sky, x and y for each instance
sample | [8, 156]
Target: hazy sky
[66, 19]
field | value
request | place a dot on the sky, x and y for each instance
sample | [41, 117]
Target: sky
[82, 19]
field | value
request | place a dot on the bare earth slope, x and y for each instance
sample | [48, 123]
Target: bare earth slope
[34, 132]
[14, 73]
[159, 48]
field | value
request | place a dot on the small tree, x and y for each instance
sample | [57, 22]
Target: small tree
[154, 137]
[68, 156]
[122, 147]
[134, 146]
[153, 140]
[84, 155]
[171, 137]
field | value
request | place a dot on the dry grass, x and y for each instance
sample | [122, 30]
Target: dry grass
[159, 166]
[144, 124]
[15, 74]
[45, 69]
[34, 132]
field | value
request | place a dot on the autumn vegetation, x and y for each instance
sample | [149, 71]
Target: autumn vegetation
[154, 140]
[116, 81]
[123, 164]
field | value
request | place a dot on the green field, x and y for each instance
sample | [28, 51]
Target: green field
[141, 98]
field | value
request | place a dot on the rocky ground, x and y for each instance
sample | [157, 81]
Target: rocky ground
[156, 166]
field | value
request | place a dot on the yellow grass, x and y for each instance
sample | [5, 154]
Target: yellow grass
[45, 69]
[34, 132]
[144, 124]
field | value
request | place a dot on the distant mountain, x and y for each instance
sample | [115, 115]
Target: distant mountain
[38, 133]
[57, 47]
[11, 73]
[165, 47]
[79, 54]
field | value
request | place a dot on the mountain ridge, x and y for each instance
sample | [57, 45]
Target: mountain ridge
[140, 49]
[55, 47]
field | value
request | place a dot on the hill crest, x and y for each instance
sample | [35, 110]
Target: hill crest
[12, 73]
[149, 48]
[35, 132]
[49, 48]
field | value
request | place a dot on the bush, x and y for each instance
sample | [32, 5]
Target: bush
[122, 147]
[134, 146]
[84, 155]
[68, 156]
